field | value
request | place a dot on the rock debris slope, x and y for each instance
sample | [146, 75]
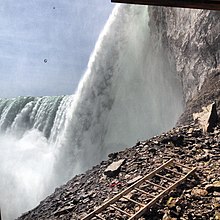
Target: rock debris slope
[198, 198]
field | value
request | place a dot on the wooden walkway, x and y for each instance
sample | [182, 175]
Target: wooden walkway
[135, 200]
[197, 4]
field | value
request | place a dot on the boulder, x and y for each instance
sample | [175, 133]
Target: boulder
[208, 118]
[114, 168]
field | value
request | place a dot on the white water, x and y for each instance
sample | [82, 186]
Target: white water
[128, 93]
[30, 127]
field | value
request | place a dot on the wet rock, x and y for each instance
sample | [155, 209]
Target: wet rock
[63, 210]
[85, 192]
[213, 187]
[217, 194]
[177, 140]
[199, 192]
[113, 155]
[204, 158]
[114, 168]
[167, 216]
[208, 118]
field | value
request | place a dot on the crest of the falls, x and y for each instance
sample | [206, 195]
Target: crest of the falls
[45, 114]
[128, 93]
[30, 128]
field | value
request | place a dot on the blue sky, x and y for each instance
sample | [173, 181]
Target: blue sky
[62, 31]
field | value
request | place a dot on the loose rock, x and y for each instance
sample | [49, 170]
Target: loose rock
[114, 168]
[208, 118]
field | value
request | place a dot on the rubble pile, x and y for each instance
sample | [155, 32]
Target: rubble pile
[198, 198]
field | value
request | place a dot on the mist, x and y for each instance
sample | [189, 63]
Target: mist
[26, 172]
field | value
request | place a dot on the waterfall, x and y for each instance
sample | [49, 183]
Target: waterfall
[29, 129]
[128, 93]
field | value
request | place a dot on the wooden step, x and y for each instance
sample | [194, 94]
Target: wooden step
[138, 187]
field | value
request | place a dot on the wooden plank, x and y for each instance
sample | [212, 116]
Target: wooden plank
[144, 192]
[173, 171]
[151, 203]
[154, 184]
[154, 199]
[196, 4]
[131, 200]
[99, 217]
[163, 177]
[126, 191]
[116, 208]
[182, 165]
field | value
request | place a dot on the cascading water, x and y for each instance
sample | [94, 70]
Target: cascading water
[29, 128]
[127, 93]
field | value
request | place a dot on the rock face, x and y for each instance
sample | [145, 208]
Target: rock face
[209, 92]
[208, 118]
[191, 39]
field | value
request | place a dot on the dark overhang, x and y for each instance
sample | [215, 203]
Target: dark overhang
[197, 4]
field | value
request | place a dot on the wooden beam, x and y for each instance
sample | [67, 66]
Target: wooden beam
[196, 4]
[156, 199]
[143, 207]
[126, 191]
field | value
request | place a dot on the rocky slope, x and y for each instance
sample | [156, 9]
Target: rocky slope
[192, 200]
